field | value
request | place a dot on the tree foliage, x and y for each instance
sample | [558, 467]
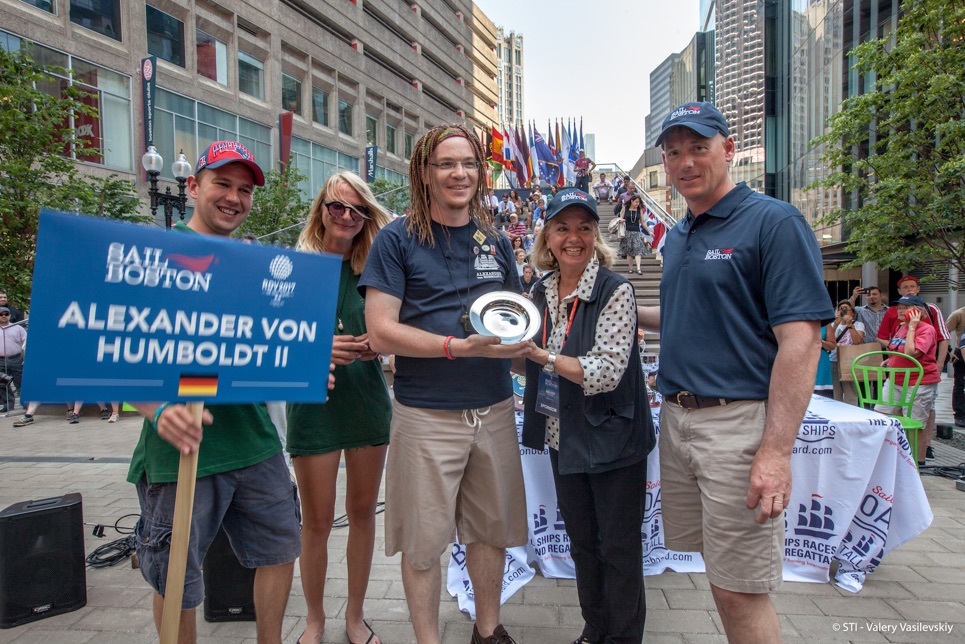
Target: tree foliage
[36, 170]
[277, 208]
[900, 147]
[394, 196]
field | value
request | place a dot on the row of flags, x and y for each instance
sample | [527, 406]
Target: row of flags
[527, 157]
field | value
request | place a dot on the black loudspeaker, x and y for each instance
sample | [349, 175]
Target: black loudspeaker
[229, 587]
[42, 562]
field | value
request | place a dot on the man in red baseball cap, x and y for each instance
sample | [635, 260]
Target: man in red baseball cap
[908, 285]
[243, 480]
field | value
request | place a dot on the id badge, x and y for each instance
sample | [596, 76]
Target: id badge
[548, 394]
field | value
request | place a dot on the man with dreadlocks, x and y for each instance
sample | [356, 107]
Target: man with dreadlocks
[454, 462]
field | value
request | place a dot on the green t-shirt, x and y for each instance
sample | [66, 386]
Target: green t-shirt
[241, 435]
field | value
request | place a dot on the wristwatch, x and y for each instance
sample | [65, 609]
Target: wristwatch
[550, 363]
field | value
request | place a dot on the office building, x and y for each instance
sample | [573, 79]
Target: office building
[353, 73]
[660, 103]
[509, 77]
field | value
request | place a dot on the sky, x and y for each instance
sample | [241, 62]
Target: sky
[593, 59]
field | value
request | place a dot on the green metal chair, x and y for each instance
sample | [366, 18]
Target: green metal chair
[867, 370]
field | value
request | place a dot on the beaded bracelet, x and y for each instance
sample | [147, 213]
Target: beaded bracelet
[445, 347]
[157, 414]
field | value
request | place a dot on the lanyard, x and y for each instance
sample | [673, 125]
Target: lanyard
[569, 324]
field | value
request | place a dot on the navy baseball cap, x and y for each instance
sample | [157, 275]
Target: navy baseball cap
[572, 197]
[703, 118]
[912, 300]
[222, 153]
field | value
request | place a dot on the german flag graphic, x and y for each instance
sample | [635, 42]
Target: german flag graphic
[206, 386]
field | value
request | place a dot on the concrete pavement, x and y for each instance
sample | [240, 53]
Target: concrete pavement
[921, 585]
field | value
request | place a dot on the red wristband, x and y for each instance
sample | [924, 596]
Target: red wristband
[445, 347]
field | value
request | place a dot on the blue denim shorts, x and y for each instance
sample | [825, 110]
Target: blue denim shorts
[258, 506]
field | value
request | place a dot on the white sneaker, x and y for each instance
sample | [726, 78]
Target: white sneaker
[114, 418]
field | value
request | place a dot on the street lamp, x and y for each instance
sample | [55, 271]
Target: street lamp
[181, 169]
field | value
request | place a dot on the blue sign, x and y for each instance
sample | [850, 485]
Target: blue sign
[124, 312]
[371, 155]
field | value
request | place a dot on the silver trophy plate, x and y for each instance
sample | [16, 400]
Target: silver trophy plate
[506, 315]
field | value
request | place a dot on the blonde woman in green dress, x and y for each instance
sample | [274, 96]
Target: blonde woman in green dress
[343, 220]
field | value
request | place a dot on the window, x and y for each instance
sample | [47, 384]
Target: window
[251, 75]
[391, 175]
[102, 16]
[108, 133]
[654, 182]
[165, 36]
[390, 139]
[181, 123]
[46, 5]
[318, 163]
[371, 130]
[212, 57]
[320, 106]
[344, 117]
[291, 94]
[409, 144]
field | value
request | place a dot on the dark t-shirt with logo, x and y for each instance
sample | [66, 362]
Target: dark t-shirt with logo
[750, 263]
[435, 285]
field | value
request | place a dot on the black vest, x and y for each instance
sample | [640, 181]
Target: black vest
[597, 433]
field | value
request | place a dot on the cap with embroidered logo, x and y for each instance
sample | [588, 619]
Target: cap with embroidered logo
[703, 118]
[572, 197]
[222, 153]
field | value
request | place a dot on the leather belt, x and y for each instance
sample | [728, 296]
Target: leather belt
[688, 400]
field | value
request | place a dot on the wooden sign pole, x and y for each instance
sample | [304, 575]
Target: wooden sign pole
[180, 538]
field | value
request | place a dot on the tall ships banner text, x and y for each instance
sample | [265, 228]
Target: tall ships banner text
[856, 496]
[140, 314]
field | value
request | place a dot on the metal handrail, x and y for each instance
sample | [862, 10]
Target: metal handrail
[649, 201]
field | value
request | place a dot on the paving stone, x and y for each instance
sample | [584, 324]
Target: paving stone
[545, 634]
[794, 605]
[681, 621]
[116, 619]
[894, 573]
[941, 574]
[825, 589]
[549, 595]
[703, 638]
[941, 592]
[669, 579]
[929, 611]
[47, 636]
[855, 607]
[686, 599]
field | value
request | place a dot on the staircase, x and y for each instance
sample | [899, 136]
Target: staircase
[646, 287]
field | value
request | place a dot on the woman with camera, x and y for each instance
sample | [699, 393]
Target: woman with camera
[844, 331]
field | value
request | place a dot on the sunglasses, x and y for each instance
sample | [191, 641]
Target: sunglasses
[337, 209]
[4, 315]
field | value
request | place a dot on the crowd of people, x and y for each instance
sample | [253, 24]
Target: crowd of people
[405, 289]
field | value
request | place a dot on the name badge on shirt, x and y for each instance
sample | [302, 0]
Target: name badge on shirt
[548, 394]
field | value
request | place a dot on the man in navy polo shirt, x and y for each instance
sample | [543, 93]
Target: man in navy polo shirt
[741, 307]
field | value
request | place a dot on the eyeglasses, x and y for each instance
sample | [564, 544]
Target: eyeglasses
[337, 209]
[449, 166]
[4, 315]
